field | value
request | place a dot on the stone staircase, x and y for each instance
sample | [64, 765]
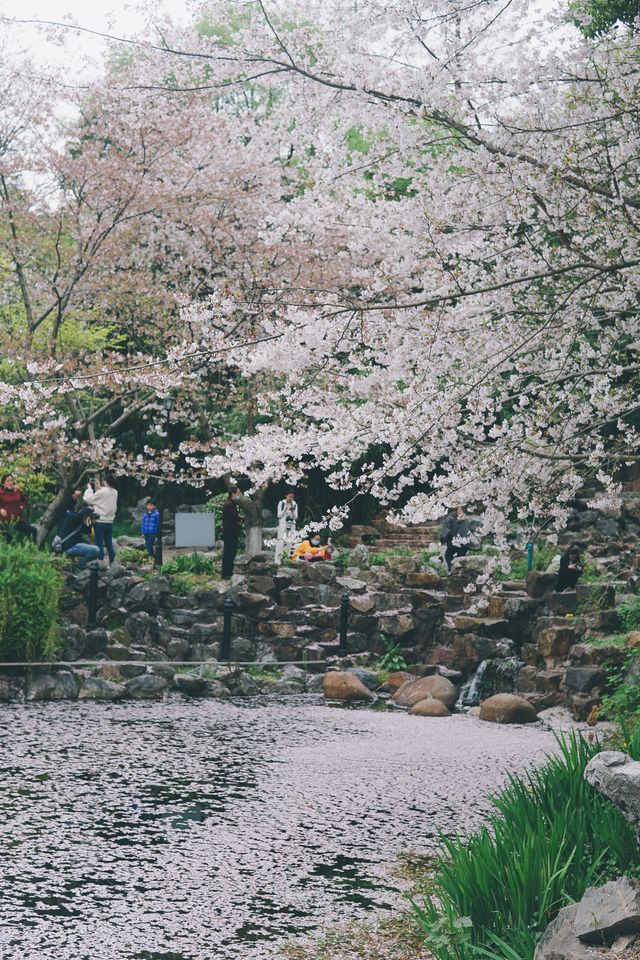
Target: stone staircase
[388, 536]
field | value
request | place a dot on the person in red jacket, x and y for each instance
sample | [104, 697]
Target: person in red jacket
[12, 505]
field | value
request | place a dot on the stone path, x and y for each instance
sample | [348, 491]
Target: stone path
[191, 831]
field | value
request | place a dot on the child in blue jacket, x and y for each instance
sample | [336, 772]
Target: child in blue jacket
[150, 527]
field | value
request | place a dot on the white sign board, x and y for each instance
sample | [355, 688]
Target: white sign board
[195, 530]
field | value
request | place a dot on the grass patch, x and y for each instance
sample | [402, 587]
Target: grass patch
[551, 836]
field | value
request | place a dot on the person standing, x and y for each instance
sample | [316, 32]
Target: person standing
[13, 504]
[455, 528]
[231, 526]
[287, 519]
[104, 501]
[150, 527]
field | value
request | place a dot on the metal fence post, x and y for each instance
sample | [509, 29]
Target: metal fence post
[92, 601]
[225, 646]
[344, 624]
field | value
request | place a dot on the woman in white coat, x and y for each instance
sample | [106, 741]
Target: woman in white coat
[104, 501]
[287, 519]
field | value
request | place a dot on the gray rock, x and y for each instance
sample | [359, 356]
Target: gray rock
[539, 583]
[560, 941]
[314, 683]
[284, 689]
[147, 686]
[142, 628]
[246, 686]
[129, 670]
[73, 641]
[243, 650]
[606, 912]
[265, 653]
[11, 688]
[217, 689]
[351, 584]
[368, 677]
[204, 653]
[582, 679]
[53, 686]
[164, 670]
[191, 685]
[150, 594]
[294, 675]
[617, 776]
[95, 688]
[96, 641]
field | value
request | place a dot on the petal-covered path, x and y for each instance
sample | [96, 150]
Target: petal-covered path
[193, 830]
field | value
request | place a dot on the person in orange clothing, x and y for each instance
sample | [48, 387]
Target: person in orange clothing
[12, 505]
[311, 550]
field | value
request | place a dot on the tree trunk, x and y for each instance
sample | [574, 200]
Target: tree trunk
[53, 512]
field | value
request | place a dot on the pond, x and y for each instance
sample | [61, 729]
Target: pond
[191, 830]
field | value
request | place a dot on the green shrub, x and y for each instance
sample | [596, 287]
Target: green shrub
[542, 557]
[622, 701]
[29, 598]
[552, 836]
[630, 614]
[189, 563]
[392, 659]
[131, 555]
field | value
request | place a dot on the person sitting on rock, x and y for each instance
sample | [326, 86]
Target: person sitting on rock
[312, 550]
[570, 570]
[75, 524]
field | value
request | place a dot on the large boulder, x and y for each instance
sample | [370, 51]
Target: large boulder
[342, 685]
[430, 707]
[617, 776]
[539, 584]
[560, 941]
[146, 686]
[507, 708]
[414, 691]
[53, 686]
[607, 916]
[11, 688]
[95, 688]
[606, 912]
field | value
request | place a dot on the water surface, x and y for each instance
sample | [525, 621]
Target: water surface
[191, 830]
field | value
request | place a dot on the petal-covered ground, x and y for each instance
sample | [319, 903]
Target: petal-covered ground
[197, 830]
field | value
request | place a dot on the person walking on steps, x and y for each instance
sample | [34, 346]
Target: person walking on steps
[287, 519]
[104, 501]
[231, 526]
[456, 528]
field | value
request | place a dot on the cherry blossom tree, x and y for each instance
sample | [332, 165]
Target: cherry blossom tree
[440, 280]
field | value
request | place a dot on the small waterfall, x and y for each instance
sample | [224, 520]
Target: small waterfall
[492, 676]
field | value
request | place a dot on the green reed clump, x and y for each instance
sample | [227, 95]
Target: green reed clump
[551, 837]
[29, 599]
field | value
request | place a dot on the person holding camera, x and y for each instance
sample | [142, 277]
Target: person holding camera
[104, 501]
[287, 518]
[75, 524]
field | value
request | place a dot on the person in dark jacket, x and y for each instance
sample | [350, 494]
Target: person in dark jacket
[231, 526]
[71, 530]
[13, 503]
[570, 570]
[150, 527]
[455, 527]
